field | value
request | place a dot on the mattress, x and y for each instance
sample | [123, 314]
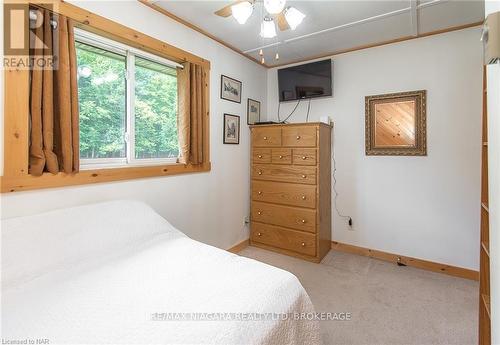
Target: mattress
[118, 273]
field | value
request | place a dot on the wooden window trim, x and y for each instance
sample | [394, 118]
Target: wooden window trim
[16, 111]
[47, 180]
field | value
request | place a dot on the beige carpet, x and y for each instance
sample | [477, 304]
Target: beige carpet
[389, 304]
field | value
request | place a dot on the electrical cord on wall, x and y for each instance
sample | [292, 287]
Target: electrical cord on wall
[334, 184]
[293, 111]
[308, 109]
[334, 179]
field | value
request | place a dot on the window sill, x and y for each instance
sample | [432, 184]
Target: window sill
[47, 180]
[104, 164]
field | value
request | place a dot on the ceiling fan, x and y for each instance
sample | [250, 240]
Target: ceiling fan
[286, 17]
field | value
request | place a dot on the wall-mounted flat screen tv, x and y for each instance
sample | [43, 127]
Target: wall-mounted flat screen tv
[305, 81]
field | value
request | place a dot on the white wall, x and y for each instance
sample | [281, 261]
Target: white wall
[209, 207]
[493, 77]
[424, 207]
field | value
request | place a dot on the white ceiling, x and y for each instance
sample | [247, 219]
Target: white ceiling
[431, 15]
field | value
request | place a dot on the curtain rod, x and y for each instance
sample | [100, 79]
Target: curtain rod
[34, 18]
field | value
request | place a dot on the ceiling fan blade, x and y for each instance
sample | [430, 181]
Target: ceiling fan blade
[282, 23]
[226, 10]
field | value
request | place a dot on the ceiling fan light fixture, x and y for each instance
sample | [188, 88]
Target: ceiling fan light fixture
[274, 6]
[242, 11]
[294, 17]
[267, 28]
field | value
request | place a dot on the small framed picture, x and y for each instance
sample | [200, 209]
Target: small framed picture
[230, 89]
[253, 111]
[231, 129]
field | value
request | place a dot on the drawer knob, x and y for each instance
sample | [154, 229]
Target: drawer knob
[304, 157]
[298, 137]
[260, 156]
[304, 176]
[303, 197]
[303, 244]
[281, 156]
[259, 234]
[259, 192]
[260, 172]
[303, 221]
[259, 213]
[265, 138]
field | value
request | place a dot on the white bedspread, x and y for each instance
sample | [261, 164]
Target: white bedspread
[100, 274]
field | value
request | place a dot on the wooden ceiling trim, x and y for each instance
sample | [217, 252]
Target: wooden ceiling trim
[190, 25]
[373, 45]
[116, 31]
[151, 4]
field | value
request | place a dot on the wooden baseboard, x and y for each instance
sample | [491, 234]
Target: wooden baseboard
[408, 261]
[239, 247]
[380, 255]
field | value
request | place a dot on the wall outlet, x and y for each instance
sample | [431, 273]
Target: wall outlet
[246, 220]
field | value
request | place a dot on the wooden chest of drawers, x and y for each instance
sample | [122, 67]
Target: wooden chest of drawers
[291, 189]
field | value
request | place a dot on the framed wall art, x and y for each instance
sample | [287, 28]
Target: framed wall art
[395, 124]
[230, 89]
[253, 111]
[231, 129]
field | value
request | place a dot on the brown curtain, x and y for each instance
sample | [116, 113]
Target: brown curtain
[192, 81]
[54, 137]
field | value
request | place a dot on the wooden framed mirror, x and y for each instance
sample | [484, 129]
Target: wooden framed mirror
[395, 124]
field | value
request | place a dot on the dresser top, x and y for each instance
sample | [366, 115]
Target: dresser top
[293, 124]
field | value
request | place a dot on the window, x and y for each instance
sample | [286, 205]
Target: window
[115, 107]
[127, 103]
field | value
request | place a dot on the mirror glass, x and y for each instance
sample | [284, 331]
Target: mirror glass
[395, 124]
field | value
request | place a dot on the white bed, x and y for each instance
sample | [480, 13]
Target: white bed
[98, 274]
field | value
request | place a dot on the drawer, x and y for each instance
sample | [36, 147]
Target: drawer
[299, 136]
[281, 156]
[297, 241]
[304, 156]
[266, 136]
[284, 173]
[261, 155]
[290, 217]
[284, 193]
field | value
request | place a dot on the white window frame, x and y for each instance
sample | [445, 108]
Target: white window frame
[129, 53]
